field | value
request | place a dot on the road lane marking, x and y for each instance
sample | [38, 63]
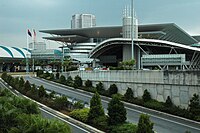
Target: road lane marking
[64, 120]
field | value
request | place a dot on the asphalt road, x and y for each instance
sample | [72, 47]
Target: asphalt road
[162, 124]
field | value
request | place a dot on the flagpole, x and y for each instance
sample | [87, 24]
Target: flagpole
[33, 48]
[27, 71]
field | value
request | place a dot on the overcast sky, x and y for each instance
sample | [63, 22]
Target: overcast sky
[16, 16]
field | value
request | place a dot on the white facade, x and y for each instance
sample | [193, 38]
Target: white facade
[37, 46]
[83, 21]
[80, 52]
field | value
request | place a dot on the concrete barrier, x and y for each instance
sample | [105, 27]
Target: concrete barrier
[179, 85]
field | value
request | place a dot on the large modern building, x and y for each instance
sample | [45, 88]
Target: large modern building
[155, 39]
[163, 46]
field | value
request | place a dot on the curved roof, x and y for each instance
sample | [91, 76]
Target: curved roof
[114, 41]
[168, 31]
[13, 52]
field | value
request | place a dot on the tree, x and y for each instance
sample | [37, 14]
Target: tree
[52, 94]
[116, 111]
[168, 102]
[62, 79]
[144, 124]
[88, 83]
[60, 102]
[41, 91]
[21, 82]
[78, 81]
[52, 76]
[146, 96]
[57, 75]
[129, 94]
[194, 106]
[69, 81]
[112, 90]
[39, 72]
[99, 87]
[96, 115]
[78, 105]
[96, 109]
[27, 86]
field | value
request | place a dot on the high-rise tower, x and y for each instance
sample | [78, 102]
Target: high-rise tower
[83, 21]
[127, 23]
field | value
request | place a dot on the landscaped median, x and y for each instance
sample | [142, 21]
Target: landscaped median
[19, 115]
[55, 113]
[192, 112]
[114, 122]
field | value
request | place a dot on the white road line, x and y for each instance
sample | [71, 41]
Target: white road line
[125, 107]
[62, 88]
[65, 121]
[165, 119]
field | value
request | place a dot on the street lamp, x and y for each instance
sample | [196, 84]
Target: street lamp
[62, 59]
[132, 30]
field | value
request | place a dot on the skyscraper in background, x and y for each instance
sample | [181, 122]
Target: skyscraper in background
[83, 21]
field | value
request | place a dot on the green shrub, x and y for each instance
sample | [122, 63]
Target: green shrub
[100, 122]
[146, 96]
[52, 94]
[194, 106]
[37, 124]
[4, 76]
[88, 83]
[69, 81]
[60, 103]
[168, 102]
[39, 72]
[62, 79]
[27, 86]
[57, 75]
[51, 76]
[128, 96]
[112, 89]
[124, 128]
[144, 124]
[42, 92]
[153, 104]
[99, 87]
[78, 105]
[80, 114]
[78, 82]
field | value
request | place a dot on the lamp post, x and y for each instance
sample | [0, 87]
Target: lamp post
[132, 30]
[62, 59]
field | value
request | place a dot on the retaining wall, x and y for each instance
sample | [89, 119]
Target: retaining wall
[179, 85]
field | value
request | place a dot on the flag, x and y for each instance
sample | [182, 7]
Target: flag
[29, 33]
[34, 33]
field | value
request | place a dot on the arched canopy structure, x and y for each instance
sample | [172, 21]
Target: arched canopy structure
[13, 52]
[146, 47]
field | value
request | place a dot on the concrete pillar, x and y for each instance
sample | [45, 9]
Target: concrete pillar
[126, 52]
[138, 61]
[94, 63]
